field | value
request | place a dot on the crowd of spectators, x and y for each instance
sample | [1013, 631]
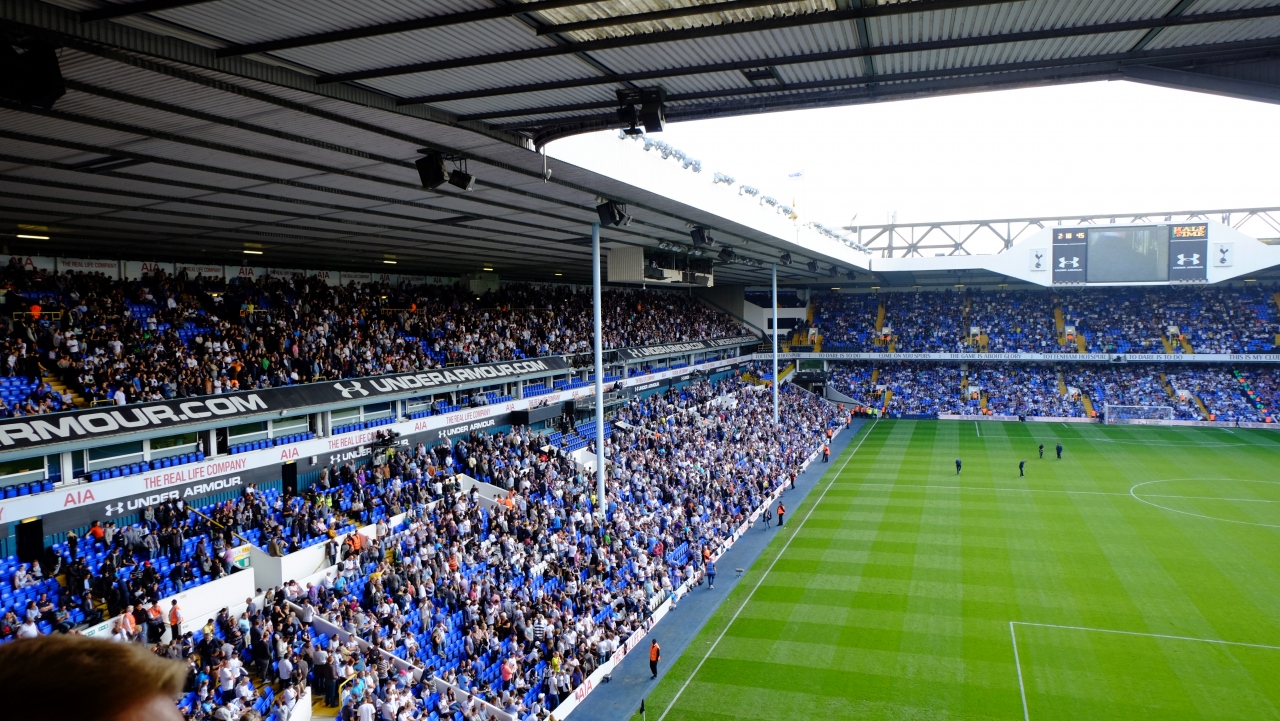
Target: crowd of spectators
[1042, 390]
[174, 336]
[1120, 320]
[518, 603]
[514, 601]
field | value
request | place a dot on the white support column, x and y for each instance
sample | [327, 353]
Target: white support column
[601, 504]
[774, 269]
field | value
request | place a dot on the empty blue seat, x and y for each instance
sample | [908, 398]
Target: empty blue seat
[47, 486]
[24, 490]
[11, 492]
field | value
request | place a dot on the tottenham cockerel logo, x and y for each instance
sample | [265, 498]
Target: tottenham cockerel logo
[349, 388]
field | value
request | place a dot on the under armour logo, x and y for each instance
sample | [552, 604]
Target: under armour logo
[1069, 262]
[354, 388]
[117, 509]
[1193, 259]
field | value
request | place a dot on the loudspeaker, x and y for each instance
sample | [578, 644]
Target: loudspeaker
[459, 179]
[32, 76]
[289, 478]
[612, 213]
[653, 113]
[30, 540]
[431, 170]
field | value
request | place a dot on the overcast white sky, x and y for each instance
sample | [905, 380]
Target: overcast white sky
[1086, 148]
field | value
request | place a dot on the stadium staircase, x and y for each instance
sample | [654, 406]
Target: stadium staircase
[1088, 406]
[875, 375]
[893, 344]
[888, 396]
[1062, 385]
[1168, 347]
[1164, 381]
[1204, 411]
[61, 389]
[817, 343]
[1186, 344]
[982, 400]
[880, 317]
[1061, 324]
[1081, 344]
[1245, 389]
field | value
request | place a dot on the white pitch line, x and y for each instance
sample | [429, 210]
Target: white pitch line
[975, 429]
[1152, 635]
[745, 601]
[980, 488]
[1212, 498]
[1022, 689]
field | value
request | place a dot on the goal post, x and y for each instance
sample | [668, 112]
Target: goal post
[1136, 415]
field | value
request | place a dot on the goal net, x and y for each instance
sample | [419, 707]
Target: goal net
[1137, 415]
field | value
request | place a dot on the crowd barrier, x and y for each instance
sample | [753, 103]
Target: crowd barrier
[198, 604]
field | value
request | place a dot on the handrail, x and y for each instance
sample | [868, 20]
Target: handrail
[219, 525]
[343, 685]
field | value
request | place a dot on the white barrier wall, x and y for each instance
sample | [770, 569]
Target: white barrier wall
[305, 562]
[266, 567]
[201, 603]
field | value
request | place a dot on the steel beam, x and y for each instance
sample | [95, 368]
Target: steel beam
[1163, 55]
[598, 351]
[722, 30]
[402, 26]
[122, 10]
[680, 12]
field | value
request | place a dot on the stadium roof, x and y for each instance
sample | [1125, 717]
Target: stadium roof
[546, 68]
[199, 129]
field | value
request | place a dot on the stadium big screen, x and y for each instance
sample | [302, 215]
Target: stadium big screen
[1131, 254]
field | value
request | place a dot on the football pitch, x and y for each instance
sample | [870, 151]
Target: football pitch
[1136, 578]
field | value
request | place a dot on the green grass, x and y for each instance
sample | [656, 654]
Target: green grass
[900, 594]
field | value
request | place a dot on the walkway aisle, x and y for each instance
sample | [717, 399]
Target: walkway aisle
[618, 699]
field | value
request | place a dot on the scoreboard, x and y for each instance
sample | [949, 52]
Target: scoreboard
[1131, 254]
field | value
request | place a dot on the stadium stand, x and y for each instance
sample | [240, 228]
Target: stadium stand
[906, 389]
[515, 603]
[1119, 320]
[175, 337]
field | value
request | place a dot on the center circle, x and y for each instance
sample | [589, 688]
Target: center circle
[1217, 499]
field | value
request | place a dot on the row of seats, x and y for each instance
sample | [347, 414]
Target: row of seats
[26, 489]
[271, 442]
[349, 427]
[144, 466]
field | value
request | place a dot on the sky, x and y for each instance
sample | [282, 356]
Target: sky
[1087, 148]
